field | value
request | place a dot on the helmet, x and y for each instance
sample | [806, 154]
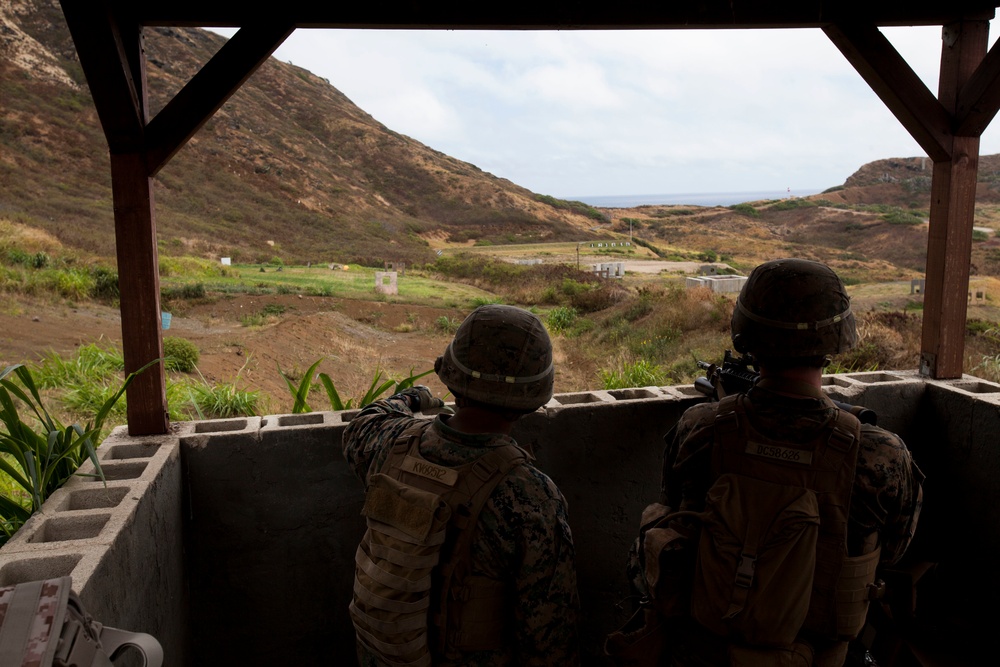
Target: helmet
[793, 308]
[500, 356]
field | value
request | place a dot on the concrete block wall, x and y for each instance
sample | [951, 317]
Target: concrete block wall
[267, 516]
[119, 540]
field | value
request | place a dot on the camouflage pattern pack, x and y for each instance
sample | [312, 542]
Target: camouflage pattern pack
[44, 624]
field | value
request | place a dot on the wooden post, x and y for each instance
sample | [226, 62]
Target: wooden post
[952, 213]
[139, 281]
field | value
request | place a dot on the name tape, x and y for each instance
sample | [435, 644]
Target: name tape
[448, 476]
[779, 453]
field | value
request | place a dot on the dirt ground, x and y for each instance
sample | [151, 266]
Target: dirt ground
[354, 336]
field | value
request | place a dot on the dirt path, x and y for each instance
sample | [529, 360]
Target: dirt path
[354, 336]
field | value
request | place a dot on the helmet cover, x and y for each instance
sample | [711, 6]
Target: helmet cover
[793, 308]
[500, 356]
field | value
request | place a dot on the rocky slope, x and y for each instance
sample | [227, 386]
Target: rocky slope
[288, 167]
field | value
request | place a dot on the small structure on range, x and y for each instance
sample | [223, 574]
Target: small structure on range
[386, 282]
[609, 269]
[725, 284]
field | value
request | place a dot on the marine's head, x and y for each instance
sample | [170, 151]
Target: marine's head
[793, 309]
[501, 356]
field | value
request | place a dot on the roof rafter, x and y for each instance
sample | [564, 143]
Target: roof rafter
[209, 89]
[896, 84]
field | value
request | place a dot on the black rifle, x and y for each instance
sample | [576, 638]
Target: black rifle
[736, 376]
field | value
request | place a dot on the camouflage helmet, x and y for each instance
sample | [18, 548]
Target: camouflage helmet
[793, 308]
[500, 356]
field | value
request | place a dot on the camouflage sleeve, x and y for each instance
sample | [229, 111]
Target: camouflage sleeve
[369, 436]
[888, 491]
[537, 544]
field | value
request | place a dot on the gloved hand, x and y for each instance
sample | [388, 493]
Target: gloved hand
[421, 399]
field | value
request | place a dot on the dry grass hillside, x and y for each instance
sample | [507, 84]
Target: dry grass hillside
[289, 167]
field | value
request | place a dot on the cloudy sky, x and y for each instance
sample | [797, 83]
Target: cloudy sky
[593, 113]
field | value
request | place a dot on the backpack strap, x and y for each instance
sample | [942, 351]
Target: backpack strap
[470, 497]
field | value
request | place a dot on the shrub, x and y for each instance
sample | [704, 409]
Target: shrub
[791, 204]
[898, 216]
[223, 400]
[445, 324]
[561, 318]
[640, 373]
[105, 284]
[745, 209]
[91, 363]
[73, 284]
[179, 354]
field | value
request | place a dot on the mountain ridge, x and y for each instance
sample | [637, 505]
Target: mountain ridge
[289, 167]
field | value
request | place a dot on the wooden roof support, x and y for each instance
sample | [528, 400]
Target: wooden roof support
[896, 84]
[211, 87]
[953, 206]
[948, 128]
[109, 43]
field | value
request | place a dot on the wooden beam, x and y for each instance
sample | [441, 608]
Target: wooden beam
[953, 207]
[562, 15]
[980, 97]
[209, 89]
[896, 84]
[139, 283]
[100, 44]
[110, 45]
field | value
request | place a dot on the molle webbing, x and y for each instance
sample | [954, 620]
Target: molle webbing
[412, 585]
[824, 465]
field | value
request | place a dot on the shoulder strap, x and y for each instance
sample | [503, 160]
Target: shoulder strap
[467, 503]
[408, 438]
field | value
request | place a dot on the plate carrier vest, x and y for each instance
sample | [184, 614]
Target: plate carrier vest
[414, 595]
[776, 503]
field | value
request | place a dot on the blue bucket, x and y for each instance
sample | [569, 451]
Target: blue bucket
[165, 320]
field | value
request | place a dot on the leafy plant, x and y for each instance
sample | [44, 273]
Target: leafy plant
[40, 461]
[376, 389]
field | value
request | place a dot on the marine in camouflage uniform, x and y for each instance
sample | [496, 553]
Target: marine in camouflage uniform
[523, 536]
[886, 495]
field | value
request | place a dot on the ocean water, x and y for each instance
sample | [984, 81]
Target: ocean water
[690, 199]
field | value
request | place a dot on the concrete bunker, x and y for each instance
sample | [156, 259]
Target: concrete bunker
[232, 541]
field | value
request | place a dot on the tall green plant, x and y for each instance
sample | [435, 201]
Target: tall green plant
[376, 389]
[40, 460]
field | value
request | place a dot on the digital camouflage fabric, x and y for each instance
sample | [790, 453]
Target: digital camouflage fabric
[523, 537]
[501, 356]
[43, 634]
[793, 308]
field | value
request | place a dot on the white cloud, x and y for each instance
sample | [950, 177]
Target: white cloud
[578, 113]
